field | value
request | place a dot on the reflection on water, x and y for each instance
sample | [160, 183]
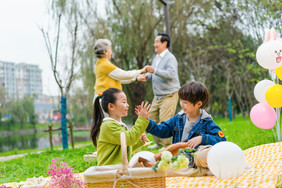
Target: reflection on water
[37, 140]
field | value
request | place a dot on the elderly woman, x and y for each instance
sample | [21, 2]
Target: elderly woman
[107, 74]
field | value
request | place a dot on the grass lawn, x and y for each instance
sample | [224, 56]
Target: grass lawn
[239, 131]
[244, 133]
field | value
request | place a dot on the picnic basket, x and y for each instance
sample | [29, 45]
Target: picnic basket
[122, 175]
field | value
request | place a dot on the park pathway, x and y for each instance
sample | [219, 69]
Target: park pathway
[10, 157]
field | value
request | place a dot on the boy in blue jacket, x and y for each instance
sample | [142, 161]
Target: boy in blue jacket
[192, 124]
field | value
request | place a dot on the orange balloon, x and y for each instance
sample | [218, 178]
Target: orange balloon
[278, 72]
[273, 96]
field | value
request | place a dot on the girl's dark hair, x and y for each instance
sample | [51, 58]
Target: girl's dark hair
[108, 96]
[194, 92]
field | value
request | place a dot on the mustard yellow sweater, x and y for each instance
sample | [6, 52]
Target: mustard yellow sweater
[103, 81]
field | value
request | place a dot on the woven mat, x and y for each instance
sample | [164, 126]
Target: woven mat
[265, 162]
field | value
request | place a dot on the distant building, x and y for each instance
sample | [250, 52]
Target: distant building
[8, 78]
[45, 107]
[46, 104]
[20, 80]
[29, 81]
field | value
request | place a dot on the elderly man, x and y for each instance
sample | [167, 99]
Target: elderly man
[164, 76]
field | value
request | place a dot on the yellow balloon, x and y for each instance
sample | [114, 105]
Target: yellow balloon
[273, 96]
[278, 72]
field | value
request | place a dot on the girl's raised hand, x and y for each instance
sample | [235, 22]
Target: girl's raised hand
[144, 137]
[143, 110]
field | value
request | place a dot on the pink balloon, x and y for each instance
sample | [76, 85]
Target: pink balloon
[263, 116]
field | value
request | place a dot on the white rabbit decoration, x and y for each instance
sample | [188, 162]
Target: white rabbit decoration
[269, 53]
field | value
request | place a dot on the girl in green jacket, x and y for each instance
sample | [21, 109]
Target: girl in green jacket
[105, 131]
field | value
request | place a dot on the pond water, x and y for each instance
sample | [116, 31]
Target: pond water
[35, 139]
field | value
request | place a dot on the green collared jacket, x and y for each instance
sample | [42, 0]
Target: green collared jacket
[108, 145]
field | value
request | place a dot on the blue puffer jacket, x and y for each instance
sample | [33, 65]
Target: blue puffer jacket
[211, 133]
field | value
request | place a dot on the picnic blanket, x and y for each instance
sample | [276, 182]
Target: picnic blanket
[265, 171]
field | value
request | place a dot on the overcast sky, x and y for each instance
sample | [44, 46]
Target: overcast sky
[22, 41]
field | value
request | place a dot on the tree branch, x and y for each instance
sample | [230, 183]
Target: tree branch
[73, 57]
[50, 53]
[116, 6]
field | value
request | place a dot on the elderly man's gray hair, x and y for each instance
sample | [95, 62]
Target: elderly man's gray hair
[100, 46]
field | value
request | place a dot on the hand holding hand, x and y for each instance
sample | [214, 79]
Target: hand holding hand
[150, 69]
[192, 143]
[142, 78]
[144, 69]
[143, 110]
[144, 137]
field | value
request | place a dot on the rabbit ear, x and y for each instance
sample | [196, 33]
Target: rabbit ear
[273, 34]
[267, 35]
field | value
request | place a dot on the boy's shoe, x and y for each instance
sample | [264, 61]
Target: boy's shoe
[90, 156]
[155, 146]
[191, 159]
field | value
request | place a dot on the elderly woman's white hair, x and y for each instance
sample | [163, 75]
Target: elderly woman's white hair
[100, 46]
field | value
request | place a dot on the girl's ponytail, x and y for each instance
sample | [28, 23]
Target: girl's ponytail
[98, 117]
[108, 96]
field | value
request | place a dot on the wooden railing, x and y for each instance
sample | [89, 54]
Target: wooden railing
[70, 126]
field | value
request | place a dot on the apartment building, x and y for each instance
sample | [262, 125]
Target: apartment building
[8, 78]
[20, 80]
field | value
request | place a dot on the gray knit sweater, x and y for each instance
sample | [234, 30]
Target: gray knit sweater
[165, 80]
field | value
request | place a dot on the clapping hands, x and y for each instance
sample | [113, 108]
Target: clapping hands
[143, 110]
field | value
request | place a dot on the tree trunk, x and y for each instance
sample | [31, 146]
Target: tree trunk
[64, 122]
[136, 92]
[22, 124]
[230, 108]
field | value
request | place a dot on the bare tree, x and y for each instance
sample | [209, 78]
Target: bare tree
[64, 61]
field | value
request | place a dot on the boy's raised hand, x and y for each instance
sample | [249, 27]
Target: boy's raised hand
[143, 110]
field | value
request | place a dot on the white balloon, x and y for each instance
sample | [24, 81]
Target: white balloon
[226, 160]
[261, 88]
[268, 54]
[144, 154]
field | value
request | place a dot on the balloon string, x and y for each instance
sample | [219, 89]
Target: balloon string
[273, 75]
[274, 134]
[278, 124]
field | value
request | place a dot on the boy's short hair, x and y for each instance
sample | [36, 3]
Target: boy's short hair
[194, 92]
